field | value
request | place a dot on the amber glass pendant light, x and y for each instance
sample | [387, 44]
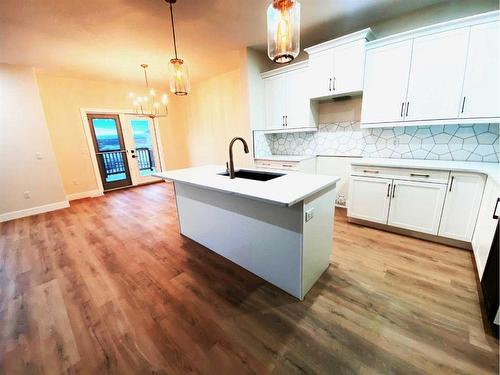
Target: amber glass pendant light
[178, 71]
[283, 30]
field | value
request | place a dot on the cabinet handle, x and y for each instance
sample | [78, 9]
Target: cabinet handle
[287, 165]
[330, 85]
[419, 175]
[368, 171]
[408, 106]
[393, 190]
[286, 120]
[463, 105]
[495, 216]
[402, 108]
[283, 120]
[388, 190]
[333, 83]
[451, 182]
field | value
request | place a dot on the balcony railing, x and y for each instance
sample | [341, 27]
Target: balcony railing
[114, 161]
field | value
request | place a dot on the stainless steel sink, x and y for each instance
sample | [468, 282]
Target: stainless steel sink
[254, 175]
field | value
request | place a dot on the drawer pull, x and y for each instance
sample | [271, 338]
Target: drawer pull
[265, 163]
[495, 216]
[368, 171]
[287, 165]
[451, 182]
[393, 190]
[419, 175]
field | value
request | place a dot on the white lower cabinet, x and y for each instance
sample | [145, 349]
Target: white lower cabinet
[486, 224]
[462, 206]
[416, 206]
[369, 198]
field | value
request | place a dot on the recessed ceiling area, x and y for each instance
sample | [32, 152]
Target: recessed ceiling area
[110, 39]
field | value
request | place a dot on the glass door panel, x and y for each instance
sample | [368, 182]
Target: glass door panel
[110, 150]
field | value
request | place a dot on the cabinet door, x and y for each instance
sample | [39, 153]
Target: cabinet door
[386, 81]
[436, 76]
[297, 104]
[275, 101]
[320, 74]
[486, 224]
[480, 96]
[416, 206]
[348, 66]
[461, 206]
[369, 198]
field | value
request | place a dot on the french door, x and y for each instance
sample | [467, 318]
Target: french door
[126, 149]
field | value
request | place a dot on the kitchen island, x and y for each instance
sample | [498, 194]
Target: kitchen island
[277, 225]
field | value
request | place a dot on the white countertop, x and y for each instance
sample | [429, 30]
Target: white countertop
[492, 170]
[285, 157]
[286, 190]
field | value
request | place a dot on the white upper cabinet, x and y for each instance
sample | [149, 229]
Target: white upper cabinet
[386, 82]
[480, 97]
[336, 66]
[461, 206]
[275, 88]
[287, 104]
[436, 75]
[441, 74]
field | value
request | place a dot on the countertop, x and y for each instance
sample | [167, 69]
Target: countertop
[286, 157]
[286, 190]
[492, 170]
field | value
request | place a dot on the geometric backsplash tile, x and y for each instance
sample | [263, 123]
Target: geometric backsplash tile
[451, 142]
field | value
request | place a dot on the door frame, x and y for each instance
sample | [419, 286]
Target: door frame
[90, 142]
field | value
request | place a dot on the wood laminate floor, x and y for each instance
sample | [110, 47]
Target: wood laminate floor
[110, 286]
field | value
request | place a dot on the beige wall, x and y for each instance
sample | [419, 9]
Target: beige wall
[62, 99]
[214, 114]
[27, 162]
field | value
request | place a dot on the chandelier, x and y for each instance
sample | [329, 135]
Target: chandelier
[178, 71]
[283, 30]
[150, 104]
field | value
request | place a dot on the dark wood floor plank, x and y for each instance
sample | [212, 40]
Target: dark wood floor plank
[110, 286]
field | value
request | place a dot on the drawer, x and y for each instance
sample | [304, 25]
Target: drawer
[274, 164]
[424, 175]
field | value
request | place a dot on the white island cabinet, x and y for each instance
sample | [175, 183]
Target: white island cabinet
[280, 229]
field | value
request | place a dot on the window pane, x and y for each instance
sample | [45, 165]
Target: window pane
[106, 134]
[143, 146]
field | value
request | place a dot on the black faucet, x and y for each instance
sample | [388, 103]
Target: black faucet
[231, 163]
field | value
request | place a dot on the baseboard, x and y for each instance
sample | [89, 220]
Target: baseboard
[84, 194]
[33, 211]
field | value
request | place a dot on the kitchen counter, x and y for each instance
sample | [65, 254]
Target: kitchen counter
[286, 190]
[286, 157]
[280, 229]
[492, 170]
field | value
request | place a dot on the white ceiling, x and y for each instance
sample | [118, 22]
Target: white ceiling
[110, 38]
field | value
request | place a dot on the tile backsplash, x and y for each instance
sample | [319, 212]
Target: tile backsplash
[478, 142]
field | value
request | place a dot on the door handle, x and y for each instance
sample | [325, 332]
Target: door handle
[388, 190]
[134, 156]
[495, 216]
[393, 190]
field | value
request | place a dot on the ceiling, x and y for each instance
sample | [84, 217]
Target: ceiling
[109, 39]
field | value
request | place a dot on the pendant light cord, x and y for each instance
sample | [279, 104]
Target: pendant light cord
[173, 28]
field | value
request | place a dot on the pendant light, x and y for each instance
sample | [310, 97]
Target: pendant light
[178, 71]
[149, 104]
[283, 30]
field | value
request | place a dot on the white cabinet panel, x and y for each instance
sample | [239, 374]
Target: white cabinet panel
[461, 206]
[416, 206]
[348, 66]
[486, 224]
[297, 105]
[321, 74]
[386, 80]
[275, 88]
[369, 198]
[480, 96]
[436, 75]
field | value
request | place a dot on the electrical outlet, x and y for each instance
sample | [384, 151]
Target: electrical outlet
[309, 214]
[27, 195]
